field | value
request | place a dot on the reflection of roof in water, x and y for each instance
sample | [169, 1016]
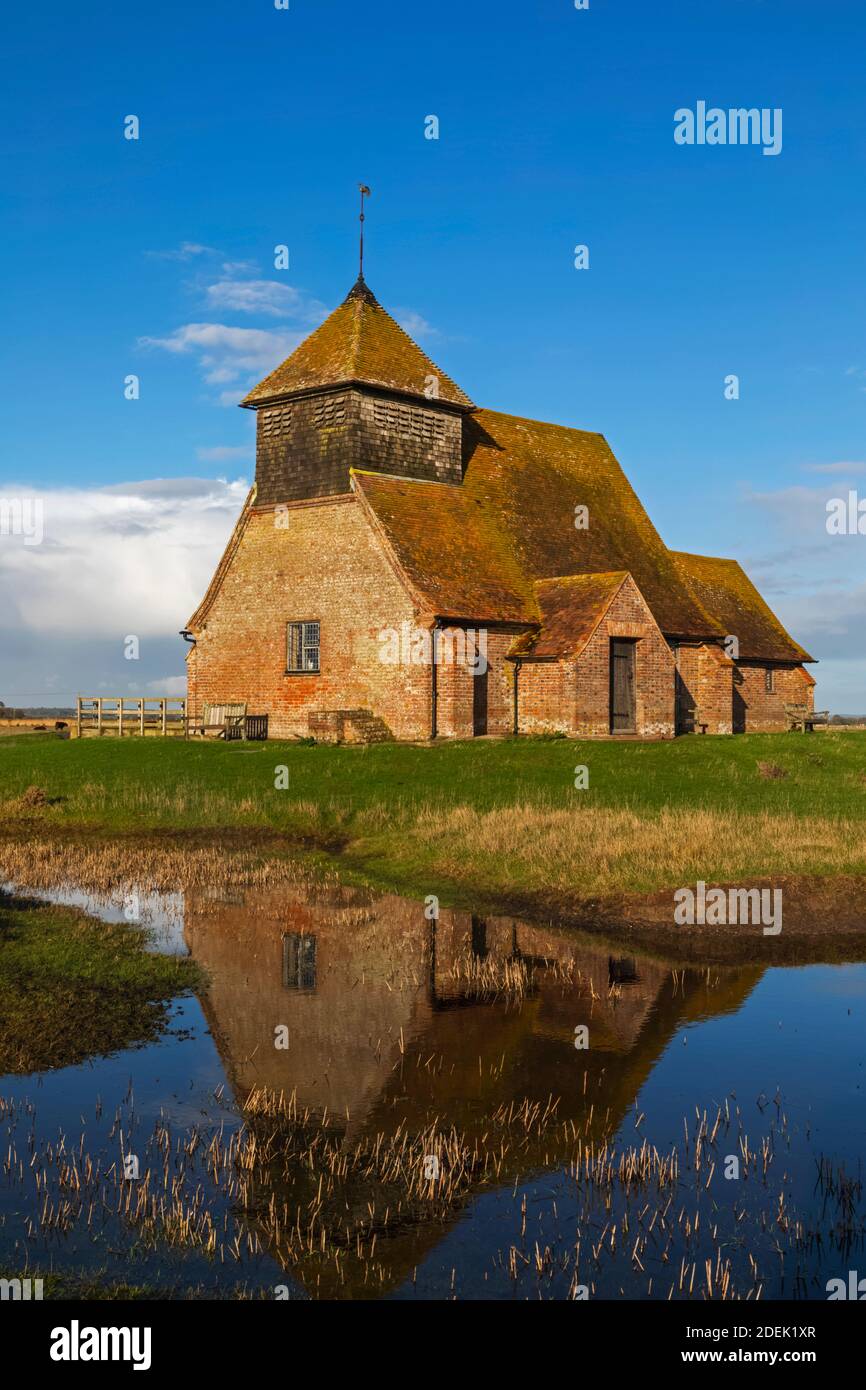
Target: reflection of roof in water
[390, 1019]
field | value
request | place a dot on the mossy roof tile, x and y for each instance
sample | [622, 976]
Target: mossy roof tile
[359, 341]
[723, 587]
[475, 551]
[449, 545]
[570, 609]
[485, 550]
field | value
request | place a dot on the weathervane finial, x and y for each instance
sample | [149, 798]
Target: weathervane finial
[365, 193]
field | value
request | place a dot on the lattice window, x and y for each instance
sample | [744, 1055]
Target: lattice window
[299, 961]
[302, 647]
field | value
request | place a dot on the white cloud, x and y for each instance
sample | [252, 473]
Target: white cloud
[239, 268]
[225, 353]
[233, 357]
[843, 468]
[185, 252]
[816, 583]
[800, 511]
[129, 559]
[415, 325]
[274, 298]
[166, 685]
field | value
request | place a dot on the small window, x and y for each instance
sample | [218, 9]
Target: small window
[299, 962]
[769, 682]
[302, 644]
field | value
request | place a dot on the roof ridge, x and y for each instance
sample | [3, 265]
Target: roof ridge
[716, 559]
[358, 327]
[570, 618]
[583, 574]
[548, 424]
[418, 348]
[398, 477]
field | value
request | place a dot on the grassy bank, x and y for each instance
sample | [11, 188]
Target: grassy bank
[485, 818]
[72, 987]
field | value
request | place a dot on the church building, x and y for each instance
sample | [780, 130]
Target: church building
[410, 566]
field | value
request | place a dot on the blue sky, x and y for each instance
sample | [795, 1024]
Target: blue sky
[155, 257]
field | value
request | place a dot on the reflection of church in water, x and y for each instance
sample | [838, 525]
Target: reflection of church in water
[391, 1022]
[388, 1017]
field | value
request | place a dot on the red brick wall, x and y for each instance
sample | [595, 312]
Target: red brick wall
[628, 616]
[542, 697]
[574, 697]
[707, 687]
[454, 683]
[759, 710]
[322, 562]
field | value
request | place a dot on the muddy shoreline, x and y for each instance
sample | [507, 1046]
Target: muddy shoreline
[824, 919]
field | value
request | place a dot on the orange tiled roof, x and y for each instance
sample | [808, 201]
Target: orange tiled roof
[726, 590]
[451, 548]
[484, 550]
[359, 341]
[475, 551]
[570, 608]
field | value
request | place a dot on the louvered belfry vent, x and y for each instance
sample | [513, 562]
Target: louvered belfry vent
[358, 393]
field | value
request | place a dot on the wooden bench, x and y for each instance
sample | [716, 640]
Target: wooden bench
[226, 721]
[803, 719]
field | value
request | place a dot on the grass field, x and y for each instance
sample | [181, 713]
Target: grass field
[484, 818]
[137, 783]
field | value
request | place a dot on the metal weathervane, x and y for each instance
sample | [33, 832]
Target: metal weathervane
[365, 193]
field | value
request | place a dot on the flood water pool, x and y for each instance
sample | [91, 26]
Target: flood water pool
[364, 1103]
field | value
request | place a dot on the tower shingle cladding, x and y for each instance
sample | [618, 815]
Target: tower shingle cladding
[306, 446]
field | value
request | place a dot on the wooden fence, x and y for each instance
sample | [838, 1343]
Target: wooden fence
[131, 714]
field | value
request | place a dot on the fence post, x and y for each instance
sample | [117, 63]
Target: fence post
[78, 718]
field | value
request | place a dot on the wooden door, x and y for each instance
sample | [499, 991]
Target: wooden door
[479, 702]
[622, 693]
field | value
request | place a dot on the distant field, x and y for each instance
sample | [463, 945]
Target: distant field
[484, 817]
[11, 728]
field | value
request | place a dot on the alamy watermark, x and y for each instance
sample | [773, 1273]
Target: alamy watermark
[77, 1343]
[846, 516]
[737, 126]
[854, 1288]
[23, 516]
[422, 646]
[20, 1290]
[720, 907]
